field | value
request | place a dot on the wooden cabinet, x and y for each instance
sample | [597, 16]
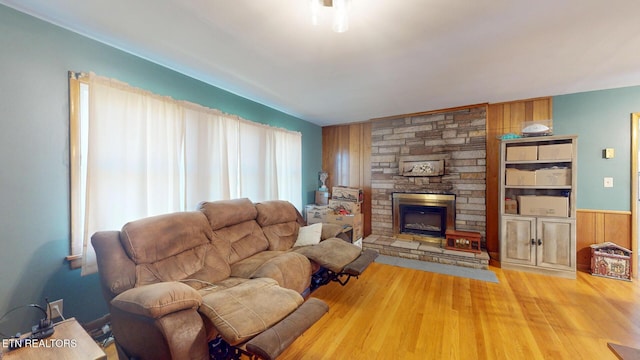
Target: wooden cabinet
[540, 242]
[540, 174]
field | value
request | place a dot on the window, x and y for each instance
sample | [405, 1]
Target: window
[136, 154]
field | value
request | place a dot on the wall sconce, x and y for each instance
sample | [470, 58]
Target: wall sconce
[608, 153]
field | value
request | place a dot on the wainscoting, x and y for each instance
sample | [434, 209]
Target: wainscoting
[598, 226]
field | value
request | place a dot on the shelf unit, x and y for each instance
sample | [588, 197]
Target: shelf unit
[539, 241]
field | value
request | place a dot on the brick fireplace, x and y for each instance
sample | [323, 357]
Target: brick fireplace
[446, 154]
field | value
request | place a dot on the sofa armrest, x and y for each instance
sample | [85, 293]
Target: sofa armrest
[117, 270]
[330, 230]
[157, 300]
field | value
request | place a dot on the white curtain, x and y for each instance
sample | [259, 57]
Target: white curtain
[133, 159]
[270, 166]
[211, 167]
[150, 155]
[255, 162]
[287, 156]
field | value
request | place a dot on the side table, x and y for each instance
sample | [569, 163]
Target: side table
[69, 342]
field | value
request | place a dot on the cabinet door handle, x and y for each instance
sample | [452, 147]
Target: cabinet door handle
[539, 242]
[533, 241]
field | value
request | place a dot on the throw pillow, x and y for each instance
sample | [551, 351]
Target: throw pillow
[309, 235]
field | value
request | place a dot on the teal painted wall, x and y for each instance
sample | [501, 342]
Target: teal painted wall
[34, 185]
[34, 213]
[601, 119]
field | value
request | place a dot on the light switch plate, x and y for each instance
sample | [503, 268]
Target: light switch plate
[609, 153]
[608, 182]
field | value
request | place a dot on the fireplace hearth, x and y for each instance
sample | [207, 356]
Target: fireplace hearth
[423, 217]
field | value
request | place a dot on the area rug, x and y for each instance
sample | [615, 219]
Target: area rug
[459, 271]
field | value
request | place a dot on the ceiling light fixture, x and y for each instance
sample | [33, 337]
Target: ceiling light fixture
[340, 13]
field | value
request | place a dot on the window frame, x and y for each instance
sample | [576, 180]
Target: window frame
[76, 79]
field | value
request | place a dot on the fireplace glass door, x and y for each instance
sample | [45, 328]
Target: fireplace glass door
[423, 220]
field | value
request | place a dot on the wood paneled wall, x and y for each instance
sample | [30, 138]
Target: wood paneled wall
[346, 156]
[503, 118]
[598, 226]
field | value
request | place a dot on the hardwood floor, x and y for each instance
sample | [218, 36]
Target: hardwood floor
[397, 313]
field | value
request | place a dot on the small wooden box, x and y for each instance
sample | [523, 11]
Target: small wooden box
[463, 241]
[611, 260]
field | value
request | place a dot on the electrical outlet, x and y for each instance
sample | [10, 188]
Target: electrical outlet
[608, 182]
[54, 309]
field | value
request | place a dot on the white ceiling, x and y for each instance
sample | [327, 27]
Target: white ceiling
[398, 57]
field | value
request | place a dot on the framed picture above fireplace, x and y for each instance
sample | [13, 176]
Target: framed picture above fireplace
[421, 168]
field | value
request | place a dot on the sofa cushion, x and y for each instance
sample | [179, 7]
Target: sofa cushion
[291, 270]
[278, 220]
[333, 254]
[236, 234]
[222, 285]
[173, 247]
[224, 213]
[159, 237]
[244, 311]
[275, 212]
[246, 267]
[330, 230]
[309, 235]
[239, 241]
[198, 267]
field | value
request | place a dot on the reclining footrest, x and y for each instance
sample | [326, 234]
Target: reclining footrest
[353, 269]
[241, 312]
[273, 341]
[359, 265]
